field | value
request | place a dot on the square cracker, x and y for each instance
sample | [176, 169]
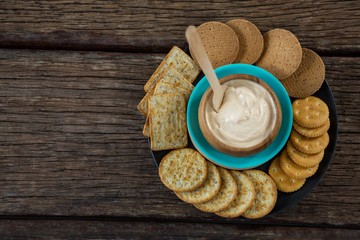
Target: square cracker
[167, 119]
[183, 63]
[142, 107]
[164, 88]
[172, 77]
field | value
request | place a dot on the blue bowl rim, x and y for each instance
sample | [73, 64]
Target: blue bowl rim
[226, 160]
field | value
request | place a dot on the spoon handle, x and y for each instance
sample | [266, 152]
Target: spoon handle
[198, 49]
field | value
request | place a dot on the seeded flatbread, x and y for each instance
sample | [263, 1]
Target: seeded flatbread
[310, 112]
[224, 197]
[244, 198]
[309, 145]
[167, 121]
[182, 63]
[312, 132]
[265, 194]
[205, 192]
[303, 159]
[183, 170]
[293, 170]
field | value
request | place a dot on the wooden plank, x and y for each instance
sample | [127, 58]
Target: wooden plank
[324, 26]
[71, 142]
[109, 229]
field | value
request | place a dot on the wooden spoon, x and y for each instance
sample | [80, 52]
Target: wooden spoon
[198, 50]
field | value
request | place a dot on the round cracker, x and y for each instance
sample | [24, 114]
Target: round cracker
[293, 170]
[312, 132]
[220, 41]
[251, 41]
[183, 170]
[225, 196]
[309, 145]
[244, 198]
[207, 191]
[282, 53]
[310, 112]
[309, 76]
[303, 159]
[283, 182]
[265, 194]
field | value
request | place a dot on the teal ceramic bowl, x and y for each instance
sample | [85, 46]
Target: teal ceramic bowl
[226, 160]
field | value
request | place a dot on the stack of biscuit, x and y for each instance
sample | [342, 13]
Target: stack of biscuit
[210, 188]
[305, 148]
[164, 104]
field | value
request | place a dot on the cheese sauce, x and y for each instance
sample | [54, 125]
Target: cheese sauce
[246, 116]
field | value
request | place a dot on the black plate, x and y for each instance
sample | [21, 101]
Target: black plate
[286, 200]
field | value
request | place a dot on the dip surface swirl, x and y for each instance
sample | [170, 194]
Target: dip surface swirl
[246, 117]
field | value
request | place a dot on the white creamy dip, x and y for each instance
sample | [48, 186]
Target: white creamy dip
[246, 116]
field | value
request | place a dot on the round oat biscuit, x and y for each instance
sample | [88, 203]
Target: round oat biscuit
[220, 41]
[312, 132]
[293, 170]
[309, 76]
[224, 197]
[183, 170]
[265, 194]
[303, 159]
[251, 41]
[283, 182]
[244, 198]
[309, 145]
[310, 112]
[206, 191]
[282, 53]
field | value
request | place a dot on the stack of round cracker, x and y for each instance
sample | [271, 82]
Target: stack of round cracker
[251, 193]
[305, 149]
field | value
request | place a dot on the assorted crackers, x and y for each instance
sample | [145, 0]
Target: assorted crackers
[211, 188]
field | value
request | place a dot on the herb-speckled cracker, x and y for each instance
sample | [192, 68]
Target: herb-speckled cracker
[265, 194]
[244, 198]
[183, 170]
[207, 191]
[225, 196]
[167, 119]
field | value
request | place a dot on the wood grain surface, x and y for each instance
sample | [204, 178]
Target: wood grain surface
[73, 161]
[157, 25]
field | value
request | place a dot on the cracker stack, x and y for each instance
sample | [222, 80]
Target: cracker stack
[305, 149]
[210, 188]
[164, 104]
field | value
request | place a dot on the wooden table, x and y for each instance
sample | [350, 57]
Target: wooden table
[73, 161]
